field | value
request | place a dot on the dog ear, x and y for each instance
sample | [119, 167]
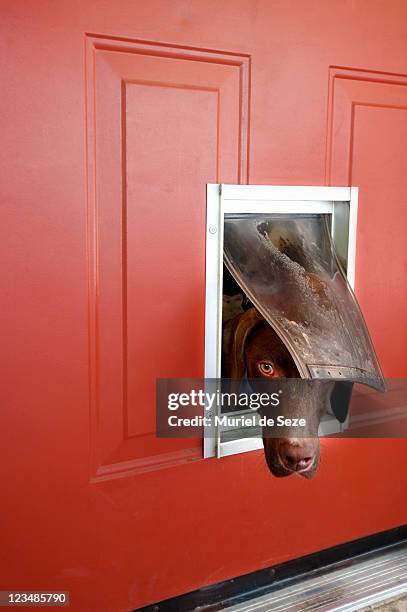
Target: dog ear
[246, 323]
[340, 399]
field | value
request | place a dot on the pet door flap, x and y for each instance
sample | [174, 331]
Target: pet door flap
[287, 266]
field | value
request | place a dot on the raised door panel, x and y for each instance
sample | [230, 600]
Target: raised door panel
[367, 147]
[162, 122]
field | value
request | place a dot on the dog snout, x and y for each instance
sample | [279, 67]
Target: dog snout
[298, 455]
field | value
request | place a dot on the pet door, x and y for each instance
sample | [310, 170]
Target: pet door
[291, 252]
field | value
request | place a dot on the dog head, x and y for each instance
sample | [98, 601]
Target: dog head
[252, 348]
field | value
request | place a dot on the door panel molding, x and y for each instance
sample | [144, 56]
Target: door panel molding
[348, 88]
[133, 89]
[366, 146]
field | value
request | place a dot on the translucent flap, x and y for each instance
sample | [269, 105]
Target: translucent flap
[287, 266]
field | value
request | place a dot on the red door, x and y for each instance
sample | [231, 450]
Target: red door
[115, 116]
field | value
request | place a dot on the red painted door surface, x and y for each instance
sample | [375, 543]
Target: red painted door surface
[114, 117]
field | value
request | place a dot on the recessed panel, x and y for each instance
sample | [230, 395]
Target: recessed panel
[381, 272]
[171, 143]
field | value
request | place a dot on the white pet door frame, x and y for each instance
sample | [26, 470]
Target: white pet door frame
[340, 202]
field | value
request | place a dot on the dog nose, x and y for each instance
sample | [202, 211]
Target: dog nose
[297, 457]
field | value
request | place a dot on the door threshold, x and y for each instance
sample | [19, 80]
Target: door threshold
[346, 577]
[374, 578]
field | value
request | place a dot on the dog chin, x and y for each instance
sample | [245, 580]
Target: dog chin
[279, 470]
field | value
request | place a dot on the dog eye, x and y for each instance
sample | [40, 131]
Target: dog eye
[265, 368]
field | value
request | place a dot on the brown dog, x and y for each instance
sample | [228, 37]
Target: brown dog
[252, 348]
